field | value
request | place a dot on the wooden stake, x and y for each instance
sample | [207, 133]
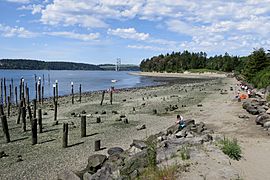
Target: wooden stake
[8, 106]
[19, 112]
[34, 131]
[27, 95]
[2, 110]
[35, 108]
[65, 135]
[56, 90]
[36, 90]
[111, 93]
[42, 95]
[5, 128]
[54, 93]
[83, 126]
[39, 91]
[55, 110]
[29, 112]
[40, 120]
[5, 91]
[80, 90]
[23, 110]
[2, 102]
[97, 145]
[98, 120]
[72, 92]
[102, 97]
[16, 96]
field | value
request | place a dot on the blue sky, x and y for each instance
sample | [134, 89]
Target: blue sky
[103, 30]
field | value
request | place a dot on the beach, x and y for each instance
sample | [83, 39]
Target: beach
[47, 159]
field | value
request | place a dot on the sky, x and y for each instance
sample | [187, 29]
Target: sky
[101, 31]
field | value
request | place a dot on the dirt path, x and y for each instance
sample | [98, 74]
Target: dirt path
[221, 112]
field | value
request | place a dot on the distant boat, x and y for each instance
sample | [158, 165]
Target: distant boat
[114, 80]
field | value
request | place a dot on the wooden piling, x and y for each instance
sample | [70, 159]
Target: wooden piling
[72, 92]
[42, 94]
[40, 120]
[34, 131]
[2, 110]
[98, 120]
[36, 95]
[35, 108]
[56, 89]
[5, 92]
[65, 135]
[5, 128]
[29, 112]
[8, 106]
[10, 93]
[19, 112]
[102, 97]
[2, 102]
[55, 110]
[27, 95]
[16, 96]
[83, 126]
[39, 91]
[23, 110]
[54, 93]
[80, 92]
[97, 145]
[111, 95]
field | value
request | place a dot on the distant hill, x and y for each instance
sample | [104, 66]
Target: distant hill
[124, 67]
[41, 65]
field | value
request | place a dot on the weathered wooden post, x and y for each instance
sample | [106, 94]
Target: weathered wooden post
[39, 90]
[19, 112]
[23, 97]
[34, 131]
[65, 135]
[23, 110]
[2, 102]
[5, 91]
[54, 92]
[111, 94]
[10, 93]
[42, 94]
[55, 112]
[36, 90]
[102, 97]
[98, 120]
[35, 108]
[28, 97]
[5, 128]
[29, 112]
[80, 91]
[72, 93]
[43, 79]
[56, 89]
[83, 126]
[97, 145]
[2, 110]
[40, 120]
[8, 106]
[16, 96]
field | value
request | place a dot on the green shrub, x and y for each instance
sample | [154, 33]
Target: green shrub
[268, 98]
[262, 78]
[162, 173]
[231, 148]
[185, 153]
[152, 153]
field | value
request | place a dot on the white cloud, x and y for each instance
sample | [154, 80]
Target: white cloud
[33, 7]
[129, 33]
[152, 48]
[21, 32]
[72, 35]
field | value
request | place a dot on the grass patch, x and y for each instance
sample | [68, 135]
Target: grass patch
[164, 173]
[185, 153]
[268, 98]
[231, 148]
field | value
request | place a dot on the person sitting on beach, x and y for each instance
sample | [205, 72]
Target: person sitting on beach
[180, 121]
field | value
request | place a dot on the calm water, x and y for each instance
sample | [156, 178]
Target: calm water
[90, 80]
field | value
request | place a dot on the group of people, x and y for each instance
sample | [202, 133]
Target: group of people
[244, 88]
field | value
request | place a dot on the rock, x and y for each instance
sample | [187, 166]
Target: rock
[114, 112]
[122, 116]
[266, 124]
[67, 175]
[133, 150]
[95, 162]
[45, 113]
[135, 163]
[139, 144]
[262, 118]
[199, 105]
[189, 122]
[19, 158]
[72, 114]
[140, 127]
[126, 120]
[181, 134]
[115, 150]
[243, 116]
[83, 112]
[3, 154]
[268, 111]
[261, 110]
[103, 112]
[200, 127]
[189, 135]
[252, 111]
[102, 174]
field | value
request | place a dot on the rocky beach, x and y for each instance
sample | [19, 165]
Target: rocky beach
[136, 114]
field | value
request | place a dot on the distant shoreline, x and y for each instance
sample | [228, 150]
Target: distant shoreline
[181, 75]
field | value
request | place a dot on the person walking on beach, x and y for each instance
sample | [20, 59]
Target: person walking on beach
[180, 121]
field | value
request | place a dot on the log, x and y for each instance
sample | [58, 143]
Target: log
[5, 128]
[83, 126]
[102, 97]
[65, 135]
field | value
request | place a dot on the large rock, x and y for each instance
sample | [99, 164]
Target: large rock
[189, 122]
[135, 163]
[140, 127]
[115, 150]
[200, 127]
[266, 124]
[102, 174]
[172, 129]
[268, 111]
[181, 134]
[95, 162]
[67, 175]
[139, 144]
[262, 118]
[252, 110]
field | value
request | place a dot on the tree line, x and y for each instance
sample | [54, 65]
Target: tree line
[255, 68]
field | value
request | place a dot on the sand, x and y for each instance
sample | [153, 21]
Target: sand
[220, 112]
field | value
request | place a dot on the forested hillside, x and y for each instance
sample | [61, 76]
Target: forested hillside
[255, 67]
[39, 65]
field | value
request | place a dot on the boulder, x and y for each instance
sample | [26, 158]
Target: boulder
[135, 163]
[267, 124]
[268, 111]
[262, 118]
[172, 129]
[140, 127]
[139, 144]
[102, 174]
[189, 122]
[243, 116]
[67, 175]
[95, 162]
[181, 134]
[252, 110]
[115, 150]
[261, 109]
[200, 127]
